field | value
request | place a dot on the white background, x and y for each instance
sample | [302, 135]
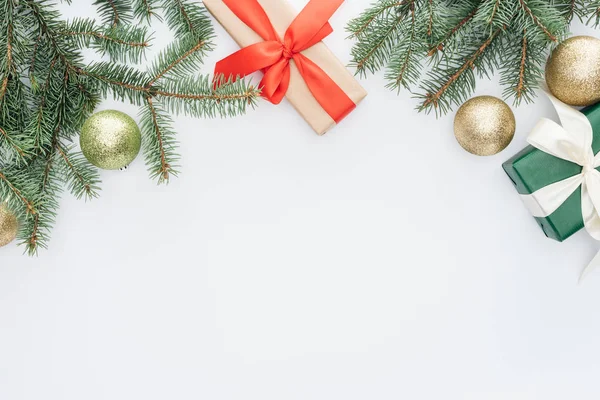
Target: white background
[380, 261]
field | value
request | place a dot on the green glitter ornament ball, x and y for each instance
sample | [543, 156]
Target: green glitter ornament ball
[110, 139]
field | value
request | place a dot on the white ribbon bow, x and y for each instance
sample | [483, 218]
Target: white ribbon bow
[572, 142]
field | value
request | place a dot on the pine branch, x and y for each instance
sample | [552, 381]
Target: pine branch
[494, 11]
[458, 84]
[146, 9]
[35, 233]
[48, 27]
[187, 18]
[522, 67]
[195, 96]
[571, 9]
[125, 83]
[32, 63]
[13, 187]
[456, 28]
[536, 20]
[9, 68]
[431, 15]
[520, 89]
[404, 66]
[159, 145]
[370, 56]
[379, 10]
[82, 178]
[122, 43]
[35, 237]
[114, 12]
[180, 59]
[590, 12]
[15, 148]
[37, 230]
[40, 128]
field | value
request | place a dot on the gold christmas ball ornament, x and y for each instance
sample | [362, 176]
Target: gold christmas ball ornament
[484, 125]
[573, 71]
[8, 226]
[110, 139]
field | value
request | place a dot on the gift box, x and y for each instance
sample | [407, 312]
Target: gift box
[532, 169]
[281, 15]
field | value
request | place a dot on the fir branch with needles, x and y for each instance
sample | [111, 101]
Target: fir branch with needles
[590, 12]
[48, 90]
[452, 84]
[35, 231]
[145, 10]
[436, 48]
[160, 144]
[122, 43]
[114, 12]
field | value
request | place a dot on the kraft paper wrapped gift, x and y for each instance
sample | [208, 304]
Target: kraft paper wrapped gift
[281, 15]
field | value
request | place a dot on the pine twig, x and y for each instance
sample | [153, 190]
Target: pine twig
[116, 17]
[184, 14]
[536, 20]
[114, 82]
[34, 57]
[33, 242]
[99, 35]
[29, 205]
[9, 59]
[405, 61]
[521, 84]
[430, 19]
[368, 23]
[144, 9]
[178, 61]
[571, 12]
[11, 142]
[360, 64]
[433, 98]
[88, 186]
[165, 168]
[215, 96]
[494, 11]
[440, 45]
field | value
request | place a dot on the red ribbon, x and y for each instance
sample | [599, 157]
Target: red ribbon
[273, 55]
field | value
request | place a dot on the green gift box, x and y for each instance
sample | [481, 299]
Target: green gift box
[532, 169]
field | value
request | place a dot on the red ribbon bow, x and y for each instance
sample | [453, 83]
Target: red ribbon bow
[273, 55]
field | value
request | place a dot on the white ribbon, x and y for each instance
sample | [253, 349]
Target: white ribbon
[572, 142]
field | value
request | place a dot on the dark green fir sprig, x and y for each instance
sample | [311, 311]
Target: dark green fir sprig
[437, 48]
[47, 91]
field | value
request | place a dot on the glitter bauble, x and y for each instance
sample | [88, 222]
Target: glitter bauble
[8, 226]
[484, 125]
[110, 139]
[573, 71]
